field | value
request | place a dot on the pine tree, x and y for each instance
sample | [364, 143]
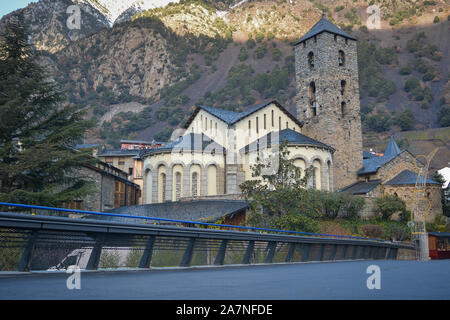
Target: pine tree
[37, 129]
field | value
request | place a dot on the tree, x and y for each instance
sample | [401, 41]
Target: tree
[37, 131]
[444, 116]
[280, 199]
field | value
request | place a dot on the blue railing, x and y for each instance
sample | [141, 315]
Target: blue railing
[18, 205]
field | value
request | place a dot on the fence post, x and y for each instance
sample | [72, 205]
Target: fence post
[271, 246]
[25, 260]
[187, 257]
[354, 250]
[369, 255]
[333, 252]
[387, 253]
[94, 258]
[221, 254]
[290, 254]
[248, 252]
[362, 253]
[305, 252]
[321, 251]
[146, 258]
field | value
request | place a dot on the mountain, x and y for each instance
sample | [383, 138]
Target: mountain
[139, 66]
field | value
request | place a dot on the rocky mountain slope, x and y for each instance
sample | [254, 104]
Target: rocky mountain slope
[140, 71]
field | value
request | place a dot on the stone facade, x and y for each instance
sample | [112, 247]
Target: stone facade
[428, 207]
[328, 100]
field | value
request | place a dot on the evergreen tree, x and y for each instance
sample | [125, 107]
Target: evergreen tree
[37, 129]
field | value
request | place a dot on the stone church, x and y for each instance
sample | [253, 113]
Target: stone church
[214, 154]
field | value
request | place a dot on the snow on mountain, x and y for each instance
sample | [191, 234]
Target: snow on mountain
[112, 9]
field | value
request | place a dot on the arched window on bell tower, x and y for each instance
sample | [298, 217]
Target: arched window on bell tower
[341, 58]
[343, 86]
[311, 60]
[343, 108]
[312, 98]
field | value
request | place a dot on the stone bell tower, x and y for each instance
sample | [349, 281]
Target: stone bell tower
[326, 70]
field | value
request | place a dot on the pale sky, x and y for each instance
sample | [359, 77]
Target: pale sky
[7, 6]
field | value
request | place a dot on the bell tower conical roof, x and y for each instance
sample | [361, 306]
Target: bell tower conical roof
[323, 25]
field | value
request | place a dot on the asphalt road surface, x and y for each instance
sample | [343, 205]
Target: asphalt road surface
[339, 280]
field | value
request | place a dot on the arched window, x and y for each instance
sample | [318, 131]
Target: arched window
[311, 59]
[343, 108]
[194, 184]
[312, 98]
[272, 120]
[212, 180]
[330, 181]
[317, 168]
[341, 58]
[343, 86]
[148, 186]
[177, 186]
[162, 187]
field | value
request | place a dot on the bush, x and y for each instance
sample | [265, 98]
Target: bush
[372, 231]
[405, 70]
[411, 84]
[436, 19]
[387, 205]
[405, 120]
[444, 116]
[243, 54]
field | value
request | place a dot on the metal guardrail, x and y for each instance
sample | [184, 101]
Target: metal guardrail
[34, 242]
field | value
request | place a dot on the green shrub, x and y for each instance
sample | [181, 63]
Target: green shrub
[243, 54]
[444, 116]
[260, 52]
[405, 70]
[339, 8]
[387, 205]
[436, 19]
[411, 84]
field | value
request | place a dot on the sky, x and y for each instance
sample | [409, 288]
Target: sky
[7, 6]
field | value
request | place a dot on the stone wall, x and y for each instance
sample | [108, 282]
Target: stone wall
[429, 207]
[338, 128]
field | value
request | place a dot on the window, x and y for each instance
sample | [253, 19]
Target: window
[194, 184]
[341, 58]
[121, 161]
[177, 186]
[311, 60]
[206, 124]
[264, 121]
[343, 86]
[257, 125]
[279, 123]
[287, 125]
[215, 128]
[343, 108]
[210, 125]
[249, 127]
[119, 194]
[335, 37]
[130, 171]
[312, 98]
[272, 120]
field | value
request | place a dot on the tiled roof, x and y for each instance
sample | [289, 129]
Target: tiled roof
[188, 143]
[231, 117]
[321, 26]
[392, 148]
[408, 177]
[209, 210]
[361, 187]
[289, 135]
[372, 164]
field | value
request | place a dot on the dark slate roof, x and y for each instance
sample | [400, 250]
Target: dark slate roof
[392, 148]
[194, 210]
[188, 143]
[361, 187]
[440, 234]
[231, 117]
[323, 25]
[371, 165]
[118, 152]
[408, 177]
[367, 155]
[289, 135]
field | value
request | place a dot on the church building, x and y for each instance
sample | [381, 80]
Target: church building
[215, 153]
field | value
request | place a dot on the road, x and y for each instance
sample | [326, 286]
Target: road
[339, 280]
